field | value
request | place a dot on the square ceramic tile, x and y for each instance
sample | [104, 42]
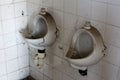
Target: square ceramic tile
[22, 50]
[12, 66]
[13, 76]
[70, 21]
[113, 15]
[35, 1]
[59, 50]
[106, 70]
[8, 26]
[19, 38]
[19, 0]
[112, 35]
[20, 9]
[3, 77]
[84, 8]
[0, 14]
[113, 55]
[7, 11]
[1, 44]
[58, 4]
[115, 2]
[30, 8]
[2, 69]
[2, 56]
[23, 61]
[93, 76]
[9, 40]
[67, 69]
[68, 36]
[3, 2]
[58, 16]
[57, 75]
[1, 28]
[109, 72]
[23, 73]
[48, 71]
[102, 0]
[11, 53]
[70, 6]
[99, 11]
[48, 3]
[20, 23]
[46, 78]
[66, 77]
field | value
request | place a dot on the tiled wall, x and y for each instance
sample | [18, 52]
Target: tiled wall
[69, 16]
[14, 60]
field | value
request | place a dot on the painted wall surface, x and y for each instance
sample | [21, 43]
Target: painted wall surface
[70, 15]
[14, 59]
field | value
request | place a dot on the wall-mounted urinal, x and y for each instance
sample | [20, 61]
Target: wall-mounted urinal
[43, 31]
[40, 35]
[87, 48]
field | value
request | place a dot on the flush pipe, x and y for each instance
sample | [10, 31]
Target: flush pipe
[39, 58]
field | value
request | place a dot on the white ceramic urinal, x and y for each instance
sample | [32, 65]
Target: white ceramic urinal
[43, 31]
[87, 47]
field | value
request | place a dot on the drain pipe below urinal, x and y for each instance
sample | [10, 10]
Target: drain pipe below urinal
[39, 58]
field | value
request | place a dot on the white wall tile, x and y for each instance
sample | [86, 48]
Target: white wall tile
[1, 30]
[9, 40]
[3, 77]
[13, 76]
[2, 69]
[114, 2]
[11, 53]
[58, 16]
[8, 47]
[23, 61]
[58, 6]
[20, 23]
[19, 38]
[7, 11]
[48, 3]
[113, 15]
[1, 44]
[65, 77]
[48, 71]
[23, 73]
[20, 9]
[8, 26]
[84, 8]
[112, 35]
[2, 2]
[113, 55]
[70, 6]
[57, 75]
[2, 56]
[70, 21]
[19, 0]
[99, 11]
[22, 50]
[12, 66]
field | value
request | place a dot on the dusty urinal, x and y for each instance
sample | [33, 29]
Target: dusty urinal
[87, 48]
[41, 34]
